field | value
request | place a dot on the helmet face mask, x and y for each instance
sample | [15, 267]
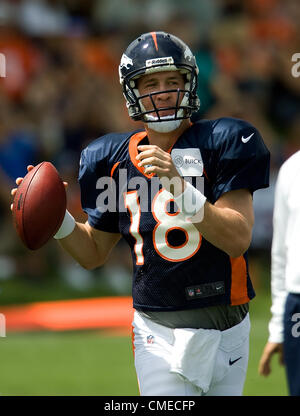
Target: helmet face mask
[154, 113]
[157, 52]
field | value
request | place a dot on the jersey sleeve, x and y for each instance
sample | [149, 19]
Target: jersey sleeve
[242, 158]
[94, 167]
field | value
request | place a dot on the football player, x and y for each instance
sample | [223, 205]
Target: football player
[180, 193]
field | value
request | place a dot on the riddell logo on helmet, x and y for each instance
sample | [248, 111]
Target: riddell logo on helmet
[158, 61]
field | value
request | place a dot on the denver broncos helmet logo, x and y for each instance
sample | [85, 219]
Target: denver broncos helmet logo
[126, 61]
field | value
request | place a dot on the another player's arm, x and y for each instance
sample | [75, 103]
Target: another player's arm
[278, 274]
[227, 224]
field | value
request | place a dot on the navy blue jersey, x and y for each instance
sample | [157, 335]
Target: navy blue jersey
[175, 268]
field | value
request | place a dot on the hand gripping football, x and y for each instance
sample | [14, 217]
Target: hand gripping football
[39, 205]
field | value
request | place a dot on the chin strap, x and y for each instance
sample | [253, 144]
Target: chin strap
[164, 126]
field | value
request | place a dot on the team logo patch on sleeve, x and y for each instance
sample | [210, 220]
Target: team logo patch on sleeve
[188, 161]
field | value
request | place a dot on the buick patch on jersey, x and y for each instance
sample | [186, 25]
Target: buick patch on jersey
[188, 161]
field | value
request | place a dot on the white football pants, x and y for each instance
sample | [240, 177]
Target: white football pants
[153, 345]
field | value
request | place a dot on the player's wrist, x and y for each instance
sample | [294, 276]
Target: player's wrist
[191, 202]
[66, 227]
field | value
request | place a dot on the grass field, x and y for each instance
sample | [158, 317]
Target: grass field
[95, 363]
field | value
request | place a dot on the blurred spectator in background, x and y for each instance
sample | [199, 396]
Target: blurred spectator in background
[61, 90]
[43, 17]
[284, 337]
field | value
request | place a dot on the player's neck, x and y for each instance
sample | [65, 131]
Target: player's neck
[166, 140]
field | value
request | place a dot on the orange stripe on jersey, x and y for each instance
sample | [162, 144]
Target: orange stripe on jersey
[239, 292]
[153, 34]
[134, 141]
[113, 169]
[133, 151]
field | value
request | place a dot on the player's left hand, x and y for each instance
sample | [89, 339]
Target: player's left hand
[160, 162]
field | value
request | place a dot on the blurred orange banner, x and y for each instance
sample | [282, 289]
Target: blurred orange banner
[109, 312]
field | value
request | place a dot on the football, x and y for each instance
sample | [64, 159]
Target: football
[39, 205]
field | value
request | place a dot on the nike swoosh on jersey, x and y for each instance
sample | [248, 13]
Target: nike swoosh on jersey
[234, 361]
[246, 139]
